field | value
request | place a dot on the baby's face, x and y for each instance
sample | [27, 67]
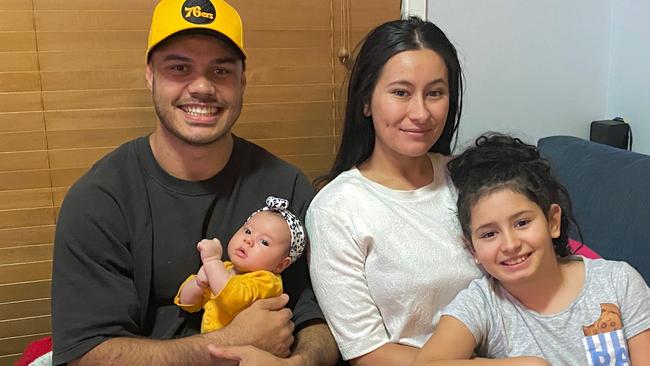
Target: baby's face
[262, 243]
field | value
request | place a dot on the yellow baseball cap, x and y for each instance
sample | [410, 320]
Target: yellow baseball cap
[173, 16]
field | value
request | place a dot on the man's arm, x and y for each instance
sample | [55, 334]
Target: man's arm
[268, 316]
[314, 346]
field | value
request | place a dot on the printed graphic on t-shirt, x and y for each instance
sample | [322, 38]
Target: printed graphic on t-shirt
[604, 340]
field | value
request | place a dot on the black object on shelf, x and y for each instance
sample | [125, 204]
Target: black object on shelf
[615, 132]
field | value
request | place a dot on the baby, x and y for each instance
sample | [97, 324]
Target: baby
[269, 241]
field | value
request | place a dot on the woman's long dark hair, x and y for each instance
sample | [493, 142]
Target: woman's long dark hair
[382, 43]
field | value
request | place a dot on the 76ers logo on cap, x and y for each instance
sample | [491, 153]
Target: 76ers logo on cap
[198, 11]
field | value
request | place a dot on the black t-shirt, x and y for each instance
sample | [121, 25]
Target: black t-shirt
[126, 239]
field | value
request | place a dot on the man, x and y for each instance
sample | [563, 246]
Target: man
[127, 231]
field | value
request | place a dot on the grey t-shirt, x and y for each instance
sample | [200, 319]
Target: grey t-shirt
[587, 332]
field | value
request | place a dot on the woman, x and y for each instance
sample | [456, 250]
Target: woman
[386, 249]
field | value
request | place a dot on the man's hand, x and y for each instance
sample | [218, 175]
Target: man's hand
[246, 356]
[266, 324]
[210, 249]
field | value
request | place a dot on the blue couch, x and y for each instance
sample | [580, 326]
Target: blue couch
[610, 190]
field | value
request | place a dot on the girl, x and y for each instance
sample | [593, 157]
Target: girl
[539, 305]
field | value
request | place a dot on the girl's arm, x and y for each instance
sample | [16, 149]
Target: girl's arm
[453, 344]
[639, 346]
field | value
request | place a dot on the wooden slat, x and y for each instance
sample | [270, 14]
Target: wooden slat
[66, 177]
[17, 41]
[22, 141]
[91, 20]
[19, 81]
[101, 118]
[25, 198]
[31, 253]
[25, 290]
[26, 236]
[289, 75]
[298, 146]
[77, 158]
[293, 57]
[16, 20]
[286, 38]
[26, 217]
[16, 5]
[18, 327]
[24, 309]
[319, 162]
[58, 194]
[92, 59]
[25, 272]
[24, 179]
[93, 5]
[21, 121]
[8, 360]
[20, 102]
[79, 41]
[96, 99]
[283, 129]
[26, 160]
[93, 137]
[285, 112]
[96, 79]
[18, 61]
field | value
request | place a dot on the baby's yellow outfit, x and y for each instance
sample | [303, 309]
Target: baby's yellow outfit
[239, 292]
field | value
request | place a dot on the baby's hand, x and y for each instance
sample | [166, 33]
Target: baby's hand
[210, 249]
[202, 278]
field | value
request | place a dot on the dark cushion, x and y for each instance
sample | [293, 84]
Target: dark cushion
[610, 190]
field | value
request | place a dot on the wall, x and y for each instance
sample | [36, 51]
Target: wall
[629, 76]
[532, 68]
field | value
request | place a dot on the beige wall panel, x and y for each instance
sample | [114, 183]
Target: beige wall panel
[14, 345]
[283, 129]
[92, 79]
[65, 177]
[294, 57]
[22, 121]
[285, 112]
[25, 236]
[93, 138]
[18, 61]
[297, 146]
[24, 179]
[20, 102]
[102, 40]
[22, 141]
[320, 162]
[106, 118]
[16, 20]
[26, 217]
[19, 327]
[285, 38]
[282, 93]
[12, 273]
[27, 160]
[24, 309]
[92, 60]
[25, 290]
[96, 99]
[93, 5]
[16, 5]
[289, 75]
[91, 20]
[30, 198]
[77, 158]
[17, 41]
[19, 81]
[26, 254]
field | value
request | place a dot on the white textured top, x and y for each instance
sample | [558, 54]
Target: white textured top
[383, 263]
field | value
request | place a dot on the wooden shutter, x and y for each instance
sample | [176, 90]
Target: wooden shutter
[72, 89]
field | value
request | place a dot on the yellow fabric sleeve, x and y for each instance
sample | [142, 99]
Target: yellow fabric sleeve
[192, 308]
